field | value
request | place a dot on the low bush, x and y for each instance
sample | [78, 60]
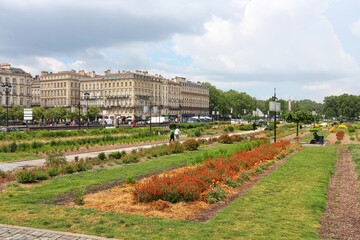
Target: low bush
[191, 145]
[53, 171]
[79, 196]
[132, 158]
[101, 156]
[67, 169]
[25, 176]
[41, 175]
[130, 180]
[351, 129]
[197, 133]
[226, 139]
[115, 155]
[55, 159]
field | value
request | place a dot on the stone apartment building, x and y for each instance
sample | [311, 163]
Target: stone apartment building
[134, 94]
[20, 81]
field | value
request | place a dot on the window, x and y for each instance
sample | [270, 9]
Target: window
[14, 89]
[117, 84]
[105, 84]
[14, 80]
[125, 84]
[113, 84]
[71, 84]
[65, 86]
[21, 90]
[130, 84]
[121, 83]
[21, 101]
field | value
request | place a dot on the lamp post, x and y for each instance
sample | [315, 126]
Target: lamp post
[314, 114]
[141, 102]
[275, 98]
[180, 117]
[86, 96]
[212, 111]
[7, 88]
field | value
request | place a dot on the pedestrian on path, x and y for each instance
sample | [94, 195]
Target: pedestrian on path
[177, 134]
[172, 133]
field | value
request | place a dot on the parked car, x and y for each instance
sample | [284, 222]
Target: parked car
[10, 129]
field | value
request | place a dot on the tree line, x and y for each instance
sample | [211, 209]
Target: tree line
[54, 114]
[343, 107]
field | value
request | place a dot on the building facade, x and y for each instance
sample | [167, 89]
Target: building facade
[61, 89]
[139, 94]
[124, 94]
[20, 81]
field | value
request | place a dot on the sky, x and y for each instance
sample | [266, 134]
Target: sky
[306, 49]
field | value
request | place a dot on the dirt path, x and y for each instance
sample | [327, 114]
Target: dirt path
[332, 139]
[341, 217]
[292, 136]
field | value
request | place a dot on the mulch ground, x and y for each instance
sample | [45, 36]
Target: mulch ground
[341, 218]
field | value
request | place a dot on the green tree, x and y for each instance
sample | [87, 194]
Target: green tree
[38, 113]
[297, 117]
[93, 113]
[16, 113]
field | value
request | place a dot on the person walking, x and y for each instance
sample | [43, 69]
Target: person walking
[177, 134]
[172, 133]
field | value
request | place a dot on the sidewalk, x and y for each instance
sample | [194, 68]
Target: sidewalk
[26, 233]
[9, 166]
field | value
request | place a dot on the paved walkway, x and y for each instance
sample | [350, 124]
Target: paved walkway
[9, 166]
[26, 233]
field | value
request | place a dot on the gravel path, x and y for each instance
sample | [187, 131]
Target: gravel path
[341, 217]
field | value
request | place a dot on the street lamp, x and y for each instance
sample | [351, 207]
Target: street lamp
[314, 114]
[212, 111]
[86, 96]
[180, 117]
[7, 87]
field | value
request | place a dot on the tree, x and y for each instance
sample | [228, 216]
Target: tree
[297, 117]
[94, 113]
[38, 113]
[16, 112]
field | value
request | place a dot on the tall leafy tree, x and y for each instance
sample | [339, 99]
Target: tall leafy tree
[297, 117]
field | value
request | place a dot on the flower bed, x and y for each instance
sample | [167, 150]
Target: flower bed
[193, 182]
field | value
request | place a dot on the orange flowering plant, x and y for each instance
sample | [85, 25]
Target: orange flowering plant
[216, 193]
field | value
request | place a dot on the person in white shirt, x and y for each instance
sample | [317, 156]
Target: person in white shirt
[177, 134]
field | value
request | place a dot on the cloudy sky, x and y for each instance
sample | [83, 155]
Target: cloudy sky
[304, 48]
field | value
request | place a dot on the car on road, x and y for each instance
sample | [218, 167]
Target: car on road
[10, 129]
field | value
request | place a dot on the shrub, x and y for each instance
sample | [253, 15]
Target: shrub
[80, 166]
[197, 133]
[191, 145]
[130, 180]
[216, 193]
[13, 147]
[351, 129]
[67, 169]
[25, 176]
[102, 156]
[115, 155]
[226, 139]
[55, 159]
[41, 175]
[132, 158]
[230, 128]
[3, 174]
[53, 171]
[79, 195]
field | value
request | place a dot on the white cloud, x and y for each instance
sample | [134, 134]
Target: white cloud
[355, 28]
[272, 37]
[316, 87]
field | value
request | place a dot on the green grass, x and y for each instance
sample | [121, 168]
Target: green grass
[10, 157]
[285, 205]
[355, 151]
[310, 136]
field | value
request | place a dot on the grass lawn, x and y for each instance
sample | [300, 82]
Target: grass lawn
[310, 136]
[355, 151]
[285, 205]
[10, 157]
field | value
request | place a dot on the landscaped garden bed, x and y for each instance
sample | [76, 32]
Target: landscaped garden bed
[184, 193]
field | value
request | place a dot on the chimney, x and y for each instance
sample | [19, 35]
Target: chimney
[82, 72]
[107, 72]
[44, 73]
